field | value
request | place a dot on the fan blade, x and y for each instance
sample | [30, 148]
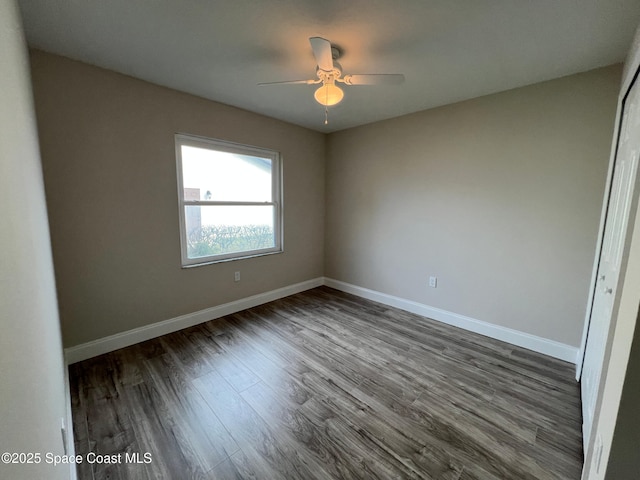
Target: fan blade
[322, 51]
[374, 79]
[292, 82]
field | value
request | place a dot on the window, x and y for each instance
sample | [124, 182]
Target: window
[230, 200]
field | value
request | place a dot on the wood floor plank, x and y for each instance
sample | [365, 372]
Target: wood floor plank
[270, 373]
[209, 441]
[506, 374]
[236, 467]
[263, 445]
[420, 454]
[159, 434]
[330, 350]
[295, 357]
[184, 347]
[79, 418]
[123, 469]
[277, 410]
[499, 452]
[326, 385]
[364, 456]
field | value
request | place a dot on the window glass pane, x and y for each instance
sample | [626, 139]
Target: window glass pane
[225, 177]
[218, 230]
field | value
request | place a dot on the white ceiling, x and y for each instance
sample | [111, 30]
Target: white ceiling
[449, 50]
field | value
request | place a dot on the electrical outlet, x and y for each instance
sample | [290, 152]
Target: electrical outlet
[433, 282]
[236, 277]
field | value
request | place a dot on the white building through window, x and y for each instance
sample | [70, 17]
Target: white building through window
[230, 200]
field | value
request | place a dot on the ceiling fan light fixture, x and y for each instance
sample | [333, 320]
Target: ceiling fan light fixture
[328, 94]
[329, 71]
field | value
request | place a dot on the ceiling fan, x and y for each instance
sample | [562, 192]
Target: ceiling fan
[329, 73]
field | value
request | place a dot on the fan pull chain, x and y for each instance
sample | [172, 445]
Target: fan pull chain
[326, 116]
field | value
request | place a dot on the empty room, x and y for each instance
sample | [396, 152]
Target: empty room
[301, 240]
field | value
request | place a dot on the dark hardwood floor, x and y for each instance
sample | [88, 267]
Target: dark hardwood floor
[324, 385]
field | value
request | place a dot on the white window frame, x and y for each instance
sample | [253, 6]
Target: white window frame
[276, 196]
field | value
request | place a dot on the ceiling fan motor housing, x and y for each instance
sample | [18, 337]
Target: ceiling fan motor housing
[330, 75]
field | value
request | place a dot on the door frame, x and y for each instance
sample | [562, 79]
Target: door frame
[622, 99]
[625, 310]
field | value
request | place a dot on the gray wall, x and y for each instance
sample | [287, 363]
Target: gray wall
[499, 197]
[32, 393]
[108, 153]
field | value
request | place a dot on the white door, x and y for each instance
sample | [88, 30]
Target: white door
[611, 255]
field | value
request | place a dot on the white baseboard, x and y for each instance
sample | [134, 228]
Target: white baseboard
[515, 337]
[147, 332]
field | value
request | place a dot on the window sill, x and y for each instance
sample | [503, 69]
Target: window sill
[232, 259]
